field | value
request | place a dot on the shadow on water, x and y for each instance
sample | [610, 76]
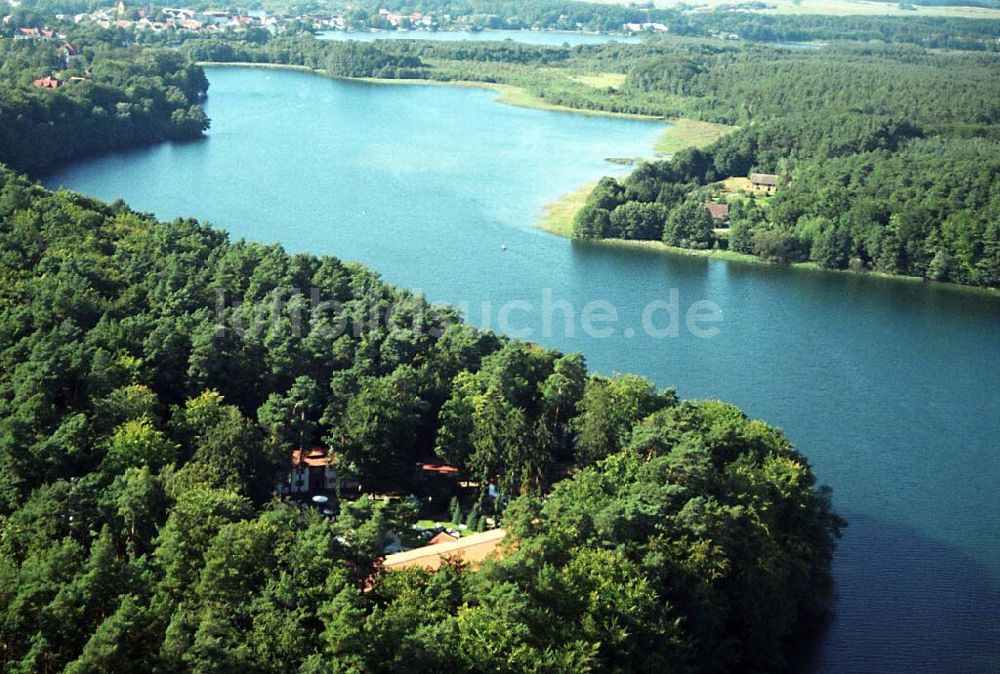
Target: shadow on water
[119, 155]
[905, 603]
[862, 282]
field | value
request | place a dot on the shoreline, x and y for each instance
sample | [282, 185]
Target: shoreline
[685, 132]
[747, 259]
[557, 219]
[509, 94]
[557, 213]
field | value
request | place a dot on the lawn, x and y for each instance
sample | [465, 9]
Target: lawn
[443, 524]
[512, 94]
[601, 80]
[735, 185]
[685, 132]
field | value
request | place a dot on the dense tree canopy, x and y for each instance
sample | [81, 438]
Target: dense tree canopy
[109, 98]
[143, 418]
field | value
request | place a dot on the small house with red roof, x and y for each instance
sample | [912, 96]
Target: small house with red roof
[50, 82]
[310, 471]
[442, 537]
[34, 34]
[436, 468]
[719, 212]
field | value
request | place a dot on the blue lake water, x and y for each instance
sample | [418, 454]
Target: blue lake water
[549, 38]
[891, 388]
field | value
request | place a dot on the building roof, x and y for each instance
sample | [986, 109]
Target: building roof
[470, 549]
[314, 457]
[442, 537]
[437, 467]
[49, 82]
[769, 179]
[717, 211]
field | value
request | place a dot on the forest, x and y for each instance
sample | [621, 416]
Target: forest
[141, 432]
[888, 160]
[108, 98]
[932, 32]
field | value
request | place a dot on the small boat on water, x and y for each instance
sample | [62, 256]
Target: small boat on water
[503, 246]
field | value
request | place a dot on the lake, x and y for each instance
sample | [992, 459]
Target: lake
[548, 38]
[891, 388]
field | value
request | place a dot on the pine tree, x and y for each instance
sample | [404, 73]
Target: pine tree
[456, 510]
[473, 518]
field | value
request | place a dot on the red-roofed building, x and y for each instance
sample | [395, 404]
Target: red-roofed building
[311, 471]
[718, 211]
[436, 467]
[442, 537]
[34, 34]
[50, 82]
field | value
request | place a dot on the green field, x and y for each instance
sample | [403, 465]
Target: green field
[601, 80]
[673, 250]
[515, 95]
[685, 132]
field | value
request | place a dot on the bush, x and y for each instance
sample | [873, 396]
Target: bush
[689, 226]
[776, 247]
